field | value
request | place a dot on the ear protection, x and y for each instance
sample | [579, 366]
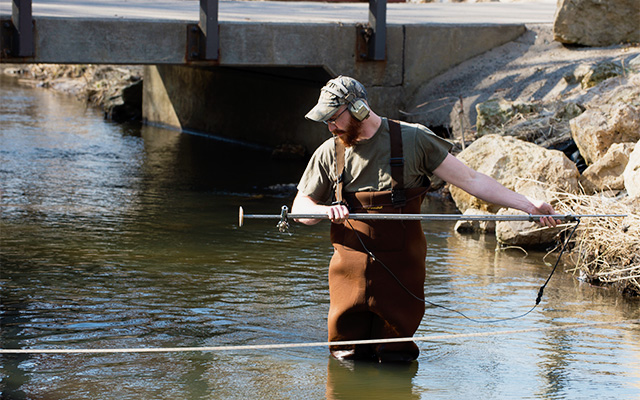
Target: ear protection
[358, 108]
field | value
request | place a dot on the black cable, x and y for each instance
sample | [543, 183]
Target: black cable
[538, 298]
[564, 247]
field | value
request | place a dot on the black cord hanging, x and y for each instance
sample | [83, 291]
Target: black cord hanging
[538, 298]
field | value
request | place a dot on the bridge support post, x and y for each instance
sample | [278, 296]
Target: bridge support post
[18, 39]
[209, 26]
[378, 26]
[203, 39]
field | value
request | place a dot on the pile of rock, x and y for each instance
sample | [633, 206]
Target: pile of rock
[597, 128]
[607, 136]
[114, 88]
[604, 125]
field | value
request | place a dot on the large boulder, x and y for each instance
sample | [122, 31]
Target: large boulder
[527, 233]
[513, 162]
[632, 173]
[595, 130]
[597, 22]
[610, 116]
[606, 173]
[523, 233]
[126, 104]
[471, 226]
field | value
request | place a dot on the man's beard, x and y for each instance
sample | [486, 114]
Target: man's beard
[350, 134]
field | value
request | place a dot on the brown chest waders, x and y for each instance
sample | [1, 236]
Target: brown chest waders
[366, 302]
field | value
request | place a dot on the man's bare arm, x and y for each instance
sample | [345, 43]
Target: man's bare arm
[304, 204]
[488, 189]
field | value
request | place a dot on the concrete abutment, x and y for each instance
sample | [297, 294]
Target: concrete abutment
[263, 99]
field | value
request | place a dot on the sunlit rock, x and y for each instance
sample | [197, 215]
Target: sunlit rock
[475, 226]
[606, 173]
[631, 173]
[597, 22]
[597, 129]
[523, 233]
[514, 162]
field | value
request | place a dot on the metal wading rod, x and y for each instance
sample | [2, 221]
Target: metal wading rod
[285, 215]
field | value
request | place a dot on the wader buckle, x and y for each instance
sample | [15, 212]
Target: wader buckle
[398, 198]
[396, 161]
[341, 203]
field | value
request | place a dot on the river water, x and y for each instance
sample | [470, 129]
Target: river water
[120, 236]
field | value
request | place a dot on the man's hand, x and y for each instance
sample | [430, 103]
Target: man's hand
[304, 204]
[338, 213]
[543, 208]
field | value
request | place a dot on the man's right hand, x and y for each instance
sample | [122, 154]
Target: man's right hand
[304, 204]
[338, 213]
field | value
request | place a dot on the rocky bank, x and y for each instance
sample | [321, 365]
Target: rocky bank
[555, 122]
[116, 89]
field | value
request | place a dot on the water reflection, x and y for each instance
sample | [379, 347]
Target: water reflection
[349, 380]
[124, 236]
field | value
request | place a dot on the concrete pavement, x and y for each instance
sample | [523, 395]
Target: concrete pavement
[298, 12]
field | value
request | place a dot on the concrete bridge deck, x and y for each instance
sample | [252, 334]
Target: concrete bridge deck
[251, 32]
[287, 48]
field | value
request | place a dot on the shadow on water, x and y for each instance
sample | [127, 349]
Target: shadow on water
[197, 162]
[12, 318]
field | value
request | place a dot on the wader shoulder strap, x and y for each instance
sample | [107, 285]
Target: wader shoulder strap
[339, 169]
[398, 196]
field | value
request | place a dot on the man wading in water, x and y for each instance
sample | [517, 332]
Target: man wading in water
[376, 165]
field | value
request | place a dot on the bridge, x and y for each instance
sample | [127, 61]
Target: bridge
[251, 70]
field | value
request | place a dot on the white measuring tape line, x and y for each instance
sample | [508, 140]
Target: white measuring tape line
[313, 344]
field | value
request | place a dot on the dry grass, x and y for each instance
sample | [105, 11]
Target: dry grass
[607, 250]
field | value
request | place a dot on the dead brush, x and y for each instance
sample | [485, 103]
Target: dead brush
[606, 250]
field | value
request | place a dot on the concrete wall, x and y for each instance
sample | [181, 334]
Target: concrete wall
[94, 41]
[255, 106]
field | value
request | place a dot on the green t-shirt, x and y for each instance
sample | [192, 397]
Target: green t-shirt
[367, 163]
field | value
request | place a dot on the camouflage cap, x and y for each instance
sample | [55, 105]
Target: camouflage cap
[333, 95]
